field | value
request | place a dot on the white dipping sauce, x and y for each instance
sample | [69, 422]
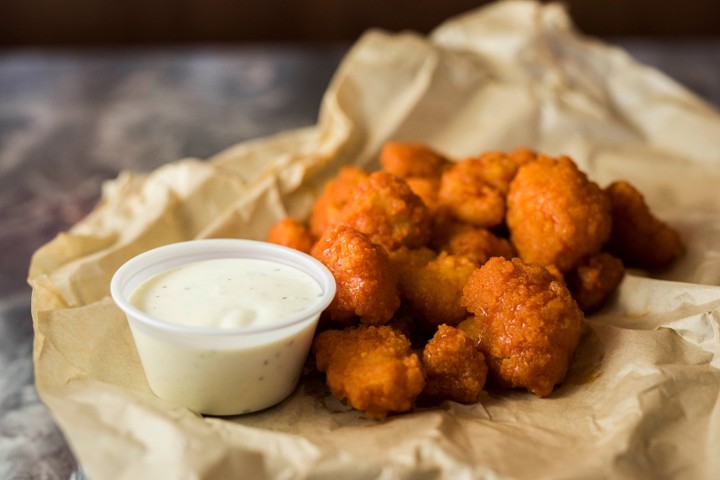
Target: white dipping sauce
[234, 373]
[227, 293]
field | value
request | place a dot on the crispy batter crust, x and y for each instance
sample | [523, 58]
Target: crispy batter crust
[468, 195]
[408, 160]
[556, 216]
[291, 233]
[595, 280]
[373, 368]
[336, 194]
[432, 288]
[455, 369]
[528, 323]
[384, 208]
[475, 243]
[638, 237]
[366, 280]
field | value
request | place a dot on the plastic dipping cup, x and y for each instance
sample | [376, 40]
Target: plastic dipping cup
[221, 371]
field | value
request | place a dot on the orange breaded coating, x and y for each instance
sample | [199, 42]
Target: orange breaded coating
[556, 216]
[638, 237]
[419, 165]
[366, 280]
[496, 168]
[408, 260]
[408, 160]
[336, 194]
[427, 189]
[523, 155]
[432, 291]
[472, 330]
[454, 368]
[373, 368]
[556, 273]
[467, 195]
[291, 233]
[385, 209]
[405, 324]
[528, 323]
[475, 243]
[595, 280]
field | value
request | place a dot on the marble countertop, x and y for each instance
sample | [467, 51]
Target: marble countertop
[70, 120]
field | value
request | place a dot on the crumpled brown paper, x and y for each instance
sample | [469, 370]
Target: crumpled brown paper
[641, 399]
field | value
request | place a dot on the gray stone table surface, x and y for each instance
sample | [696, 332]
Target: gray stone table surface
[70, 120]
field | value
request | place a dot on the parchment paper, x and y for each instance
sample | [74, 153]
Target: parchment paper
[641, 399]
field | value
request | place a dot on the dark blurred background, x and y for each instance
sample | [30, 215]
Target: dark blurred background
[161, 22]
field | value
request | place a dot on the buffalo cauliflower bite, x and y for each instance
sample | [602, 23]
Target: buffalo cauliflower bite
[408, 260]
[431, 286]
[419, 165]
[595, 280]
[373, 368]
[527, 323]
[454, 368]
[427, 190]
[291, 233]
[475, 243]
[409, 160]
[466, 195]
[638, 237]
[523, 155]
[366, 280]
[556, 216]
[335, 195]
[384, 208]
[495, 168]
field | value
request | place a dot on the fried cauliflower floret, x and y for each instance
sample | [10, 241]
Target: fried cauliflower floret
[454, 368]
[404, 323]
[528, 323]
[523, 155]
[419, 165]
[409, 160]
[372, 368]
[475, 243]
[472, 330]
[638, 237]
[495, 168]
[556, 216]
[557, 274]
[427, 190]
[385, 209]
[432, 290]
[408, 260]
[467, 196]
[366, 280]
[336, 194]
[595, 280]
[291, 233]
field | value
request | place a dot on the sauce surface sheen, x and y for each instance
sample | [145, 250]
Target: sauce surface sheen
[227, 293]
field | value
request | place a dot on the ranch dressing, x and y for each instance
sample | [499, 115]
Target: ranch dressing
[240, 373]
[227, 293]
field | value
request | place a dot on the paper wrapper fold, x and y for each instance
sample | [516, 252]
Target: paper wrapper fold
[642, 397]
